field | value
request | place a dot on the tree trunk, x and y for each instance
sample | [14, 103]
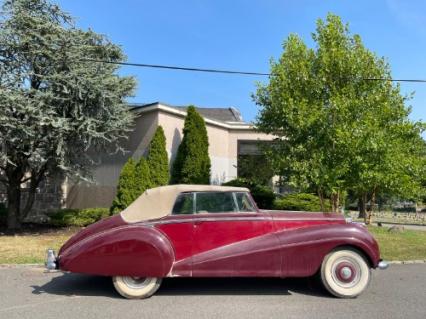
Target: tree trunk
[321, 198]
[34, 182]
[13, 205]
[370, 211]
[362, 203]
[335, 202]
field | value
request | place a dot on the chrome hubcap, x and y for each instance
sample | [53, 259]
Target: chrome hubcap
[136, 282]
[346, 272]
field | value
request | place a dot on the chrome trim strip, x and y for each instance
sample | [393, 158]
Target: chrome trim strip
[220, 219]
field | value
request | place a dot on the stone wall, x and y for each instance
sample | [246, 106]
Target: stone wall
[49, 197]
[399, 217]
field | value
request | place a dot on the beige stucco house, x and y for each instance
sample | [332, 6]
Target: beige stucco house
[228, 136]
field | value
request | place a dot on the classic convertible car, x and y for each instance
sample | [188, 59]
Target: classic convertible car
[216, 231]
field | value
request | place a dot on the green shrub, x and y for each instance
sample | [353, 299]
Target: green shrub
[126, 188]
[77, 217]
[301, 202]
[143, 177]
[192, 163]
[3, 214]
[407, 209]
[262, 195]
[158, 160]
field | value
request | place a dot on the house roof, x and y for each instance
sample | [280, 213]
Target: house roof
[229, 114]
[226, 115]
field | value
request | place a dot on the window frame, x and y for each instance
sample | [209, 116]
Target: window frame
[252, 203]
[193, 204]
[234, 199]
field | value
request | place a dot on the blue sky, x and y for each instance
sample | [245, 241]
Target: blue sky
[244, 35]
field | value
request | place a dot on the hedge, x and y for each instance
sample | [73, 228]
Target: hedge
[301, 202]
[262, 195]
[77, 217]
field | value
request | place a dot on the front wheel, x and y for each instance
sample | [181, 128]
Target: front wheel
[136, 287]
[345, 273]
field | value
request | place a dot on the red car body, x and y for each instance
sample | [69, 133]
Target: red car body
[245, 244]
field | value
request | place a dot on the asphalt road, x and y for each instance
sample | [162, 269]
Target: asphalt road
[399, 292]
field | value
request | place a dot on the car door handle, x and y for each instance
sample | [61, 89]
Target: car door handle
[198, 222]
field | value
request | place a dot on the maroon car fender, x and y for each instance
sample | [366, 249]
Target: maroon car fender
[130, 250]
[304, 249]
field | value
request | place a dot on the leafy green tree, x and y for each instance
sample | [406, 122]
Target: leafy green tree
[338, 128]
[127, 188]
[142, 177]
[54, 105]
[158, 160]
[262, 195]
[192, 163]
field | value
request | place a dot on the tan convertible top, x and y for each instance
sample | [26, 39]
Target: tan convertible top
[158, 202]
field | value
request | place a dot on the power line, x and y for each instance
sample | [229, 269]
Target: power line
[170, 67]
[182, 68]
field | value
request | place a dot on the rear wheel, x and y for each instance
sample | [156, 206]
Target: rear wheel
[345, 273]
[136, 287]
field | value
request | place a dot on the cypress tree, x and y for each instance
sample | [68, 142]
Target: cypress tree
[158, 161]
[192, 163]
[143, 177]
[126, 188]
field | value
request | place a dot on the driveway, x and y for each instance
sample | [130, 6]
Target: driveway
[28, 292]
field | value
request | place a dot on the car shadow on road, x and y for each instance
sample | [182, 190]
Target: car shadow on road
[83, 285]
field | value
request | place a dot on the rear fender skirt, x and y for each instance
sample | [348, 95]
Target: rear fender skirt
[131, 250]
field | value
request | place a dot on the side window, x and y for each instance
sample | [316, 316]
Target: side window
[215, 202]
[244, 202]
[184, 204]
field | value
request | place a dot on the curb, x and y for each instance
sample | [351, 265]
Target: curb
[391, 262]
[20, 265]
[407, 262]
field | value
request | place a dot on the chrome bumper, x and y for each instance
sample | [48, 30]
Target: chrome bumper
[383, 264]
[51, 260]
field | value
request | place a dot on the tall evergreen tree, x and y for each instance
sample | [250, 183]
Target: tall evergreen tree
[126, 189]
[54, 105]
[142, 177]
[158, 161]
[192, 163]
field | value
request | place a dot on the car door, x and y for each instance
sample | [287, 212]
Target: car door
[179, 229]
[231, 238]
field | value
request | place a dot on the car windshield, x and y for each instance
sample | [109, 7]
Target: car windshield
[244, 202]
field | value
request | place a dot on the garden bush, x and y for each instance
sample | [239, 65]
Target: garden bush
[77, 217]
[301, 202]
[262, 195]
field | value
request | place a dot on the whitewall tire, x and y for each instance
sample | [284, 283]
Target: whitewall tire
[136, 287]
[345, 273]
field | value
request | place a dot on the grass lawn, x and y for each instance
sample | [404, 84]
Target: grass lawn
[408, 245]
[30, 247]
